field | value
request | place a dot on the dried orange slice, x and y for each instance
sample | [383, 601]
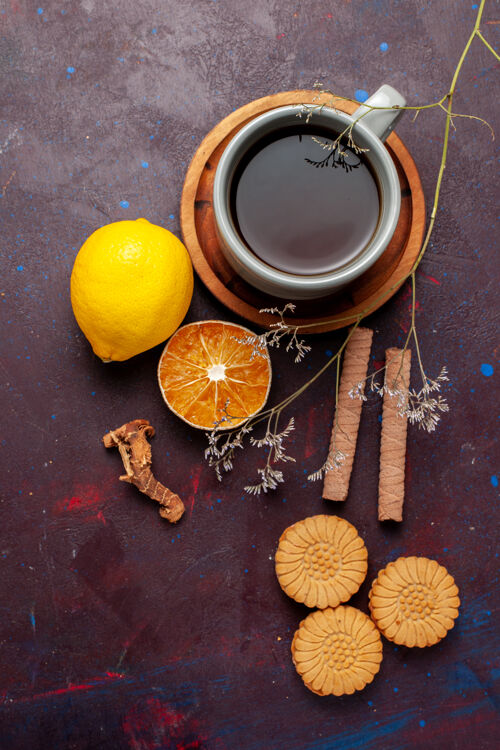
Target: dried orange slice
[206, 374]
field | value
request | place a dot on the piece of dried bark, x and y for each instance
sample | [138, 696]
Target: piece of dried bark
[391, 486]
[344, 437]
[131, 441]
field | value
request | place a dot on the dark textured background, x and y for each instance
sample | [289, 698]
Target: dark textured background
[118, 630]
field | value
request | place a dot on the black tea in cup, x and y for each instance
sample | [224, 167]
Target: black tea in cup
[302, 207]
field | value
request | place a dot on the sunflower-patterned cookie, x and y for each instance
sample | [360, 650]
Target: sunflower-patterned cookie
[321, 561]
[414, 601]
[337, 651]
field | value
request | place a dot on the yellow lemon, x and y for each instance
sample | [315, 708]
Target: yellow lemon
[131, 286]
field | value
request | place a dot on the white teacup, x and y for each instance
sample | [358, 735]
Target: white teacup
[369, 133]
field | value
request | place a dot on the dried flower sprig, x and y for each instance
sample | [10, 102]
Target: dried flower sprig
[273, 440]
[418, 406]
[336, 146]
[277, 332]
[334, 461]
[335, 157]
[222, 445]
[421, 408]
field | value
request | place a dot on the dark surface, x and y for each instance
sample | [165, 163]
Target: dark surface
[118, 630]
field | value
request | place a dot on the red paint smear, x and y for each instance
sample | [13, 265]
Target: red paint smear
[196, 484]
[95, 683]
[405, 293]
[87, 499]
[153, 713]
[152, 724]
[431, 278]
[280, 36]
[311, 431]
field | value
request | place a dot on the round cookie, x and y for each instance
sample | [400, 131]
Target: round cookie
[321, 561]
[414, 601]
[337, 651]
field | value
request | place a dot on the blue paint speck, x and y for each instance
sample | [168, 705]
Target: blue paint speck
[52, 416]
[422, 723]
[494, 480]
[124, 204]
[20, 268]
[32, 620]
[487, 370]
[70, 69]
[145, 164]
[474, 7]
[40, 11]
[171, 216]
[329, 353]
[154, 31]
[384, 47]
[396, 690]
[361, 95]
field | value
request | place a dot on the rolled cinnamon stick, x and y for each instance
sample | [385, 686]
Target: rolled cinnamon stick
[348, 411]
[391, 487]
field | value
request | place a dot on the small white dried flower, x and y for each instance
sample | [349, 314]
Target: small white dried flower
[335, 460]
[358, 391]
[270, 478]
[425, 411]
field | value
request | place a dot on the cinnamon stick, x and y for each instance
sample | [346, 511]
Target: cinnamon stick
[348, 413]
[131, 441]
[391, 486]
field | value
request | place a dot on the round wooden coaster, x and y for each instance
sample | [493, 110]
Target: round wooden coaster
[365, 295]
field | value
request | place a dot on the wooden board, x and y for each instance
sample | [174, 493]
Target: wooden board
[366, 294]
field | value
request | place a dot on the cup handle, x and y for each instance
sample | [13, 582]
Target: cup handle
[382, 121]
